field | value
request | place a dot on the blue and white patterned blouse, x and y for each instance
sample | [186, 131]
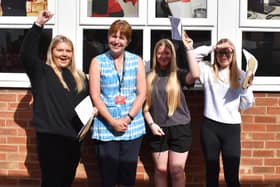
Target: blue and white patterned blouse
[112, 85]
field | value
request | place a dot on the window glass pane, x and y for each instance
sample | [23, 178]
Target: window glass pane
[265, 46]
[10, 41]
[95, 42]
[112, 8]
[199, 38]
[22, 7]
[182, 9]
[259, 9]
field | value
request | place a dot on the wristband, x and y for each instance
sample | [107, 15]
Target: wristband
[38, 24]
[151, 123]
[130, 116]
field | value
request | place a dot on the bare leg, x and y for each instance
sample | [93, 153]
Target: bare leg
[161, 172]
[177, 162]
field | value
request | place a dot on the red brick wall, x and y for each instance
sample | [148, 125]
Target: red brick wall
[260, 163]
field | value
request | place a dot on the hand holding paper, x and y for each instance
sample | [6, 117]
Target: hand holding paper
[177, 33]
[86, 112]
[251, 68]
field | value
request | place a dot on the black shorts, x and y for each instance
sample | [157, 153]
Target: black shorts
[177, 138]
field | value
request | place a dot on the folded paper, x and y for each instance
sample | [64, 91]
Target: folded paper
[85, 112]
[176, 28]
[251, 67]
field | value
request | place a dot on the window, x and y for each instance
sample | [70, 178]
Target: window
[23, 11]
[22, 7]
[259, 26]
[11, 40]
[260, 13]
[97, 8]
[198, 12]
[102, 12]
[265, 46]
[16, 17]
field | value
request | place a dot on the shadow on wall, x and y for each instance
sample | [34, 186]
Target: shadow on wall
[22, 117]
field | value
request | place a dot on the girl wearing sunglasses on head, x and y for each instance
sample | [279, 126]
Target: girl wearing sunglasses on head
[224, 98]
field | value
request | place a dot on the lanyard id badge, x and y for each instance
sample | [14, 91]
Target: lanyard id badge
[120, 99]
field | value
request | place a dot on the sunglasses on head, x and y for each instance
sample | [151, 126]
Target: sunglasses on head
[226, 51]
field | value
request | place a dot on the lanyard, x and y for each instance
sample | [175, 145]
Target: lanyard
[120, 75]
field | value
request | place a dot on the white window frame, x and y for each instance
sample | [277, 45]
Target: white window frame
[260, 83]
[263, 83]
[256, 23]
[20, 80]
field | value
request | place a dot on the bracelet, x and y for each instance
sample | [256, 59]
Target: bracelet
[151, 123]
[38, 24]
[130, 116]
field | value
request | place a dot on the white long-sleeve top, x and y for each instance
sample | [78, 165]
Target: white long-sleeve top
[221, 103]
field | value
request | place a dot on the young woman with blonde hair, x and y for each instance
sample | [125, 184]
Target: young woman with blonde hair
[167, 113]
[57, 87]
[224, 98]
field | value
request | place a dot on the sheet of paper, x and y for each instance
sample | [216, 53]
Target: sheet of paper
[251, 68]
[85, 110]
[176, 28]
[83, 132]
[251, 61]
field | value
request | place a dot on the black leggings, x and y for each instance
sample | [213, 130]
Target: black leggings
[59, 157]
[225, 138]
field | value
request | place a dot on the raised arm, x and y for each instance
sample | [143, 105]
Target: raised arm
[194, 71]
[29, 48]
[43, 17]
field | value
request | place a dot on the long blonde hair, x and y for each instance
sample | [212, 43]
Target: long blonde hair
[233, 68]
[172, 87]
[79, 76]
